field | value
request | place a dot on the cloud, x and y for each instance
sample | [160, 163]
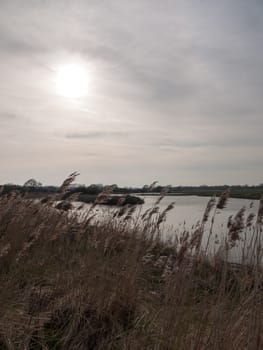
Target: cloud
[96, 134]
[7, 116]
[180, 79]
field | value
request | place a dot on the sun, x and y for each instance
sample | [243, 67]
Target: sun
[72, 81]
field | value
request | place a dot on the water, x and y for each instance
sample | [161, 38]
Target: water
[188, 210]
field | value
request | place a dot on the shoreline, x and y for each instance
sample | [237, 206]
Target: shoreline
[235, 196]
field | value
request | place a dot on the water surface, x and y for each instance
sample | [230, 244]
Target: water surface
[188, 210]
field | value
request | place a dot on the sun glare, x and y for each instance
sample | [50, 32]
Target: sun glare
[72, 81]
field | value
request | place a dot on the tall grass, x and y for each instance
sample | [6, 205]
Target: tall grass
[115, 284]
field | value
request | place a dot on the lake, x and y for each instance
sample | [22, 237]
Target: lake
[188, 210]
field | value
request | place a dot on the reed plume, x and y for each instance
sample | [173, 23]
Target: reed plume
[223, 198]
[66, 183]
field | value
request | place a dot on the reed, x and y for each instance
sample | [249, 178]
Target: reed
[114, 283]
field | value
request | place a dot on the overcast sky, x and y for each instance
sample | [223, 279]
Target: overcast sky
[175, 91]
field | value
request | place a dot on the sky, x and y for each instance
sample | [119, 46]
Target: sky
[174, 91]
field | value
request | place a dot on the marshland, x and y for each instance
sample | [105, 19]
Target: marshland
[114, 282]
[156, 242]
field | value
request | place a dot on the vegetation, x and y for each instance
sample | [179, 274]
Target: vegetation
[89, 193]
[83, 282]
[33, 189]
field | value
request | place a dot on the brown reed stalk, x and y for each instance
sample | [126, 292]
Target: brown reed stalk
[163, 215]
[66, 183]
[236, 227]
[221, 204]
[108, 285]
[260, 212]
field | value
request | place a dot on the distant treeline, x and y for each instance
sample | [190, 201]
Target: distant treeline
[236, 191]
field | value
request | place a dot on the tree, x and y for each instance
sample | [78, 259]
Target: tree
[32, 183]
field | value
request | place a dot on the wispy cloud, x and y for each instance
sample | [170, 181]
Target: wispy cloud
[7, 116]
[96, 134]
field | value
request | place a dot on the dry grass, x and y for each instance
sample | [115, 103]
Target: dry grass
[114, 284]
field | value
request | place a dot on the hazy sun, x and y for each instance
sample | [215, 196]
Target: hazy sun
[72, 81]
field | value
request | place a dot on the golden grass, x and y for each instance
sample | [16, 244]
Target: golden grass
[115, 284]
